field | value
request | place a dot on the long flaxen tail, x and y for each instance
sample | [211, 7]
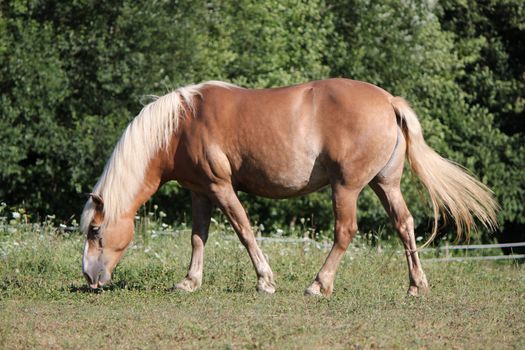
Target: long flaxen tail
[452, 190]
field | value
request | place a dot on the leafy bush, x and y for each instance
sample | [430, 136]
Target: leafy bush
[73, 74]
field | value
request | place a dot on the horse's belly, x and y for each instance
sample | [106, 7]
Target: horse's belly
[294, 180]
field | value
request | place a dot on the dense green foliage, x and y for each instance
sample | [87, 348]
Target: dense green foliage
[72, 74]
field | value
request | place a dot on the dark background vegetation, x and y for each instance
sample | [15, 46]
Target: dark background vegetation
[74, 73]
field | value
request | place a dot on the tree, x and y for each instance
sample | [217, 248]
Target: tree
[489, 37]
[72, 74]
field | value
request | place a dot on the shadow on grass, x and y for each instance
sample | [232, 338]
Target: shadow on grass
[117, 285]
[83, 289]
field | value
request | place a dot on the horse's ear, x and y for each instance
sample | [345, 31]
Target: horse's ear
[99, 203]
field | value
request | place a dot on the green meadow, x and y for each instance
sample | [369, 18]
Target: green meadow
[44, 301]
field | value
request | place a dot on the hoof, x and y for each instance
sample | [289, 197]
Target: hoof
[265, 286]
[417, 291]
[187, 285]
[317, 290]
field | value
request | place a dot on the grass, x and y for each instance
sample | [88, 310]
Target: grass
[44, 302]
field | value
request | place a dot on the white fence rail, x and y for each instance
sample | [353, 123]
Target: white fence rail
[475, 246]
[448, 248]
[489, 257]
[445, 249]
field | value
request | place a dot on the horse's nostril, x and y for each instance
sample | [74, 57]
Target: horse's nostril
[92, 281]
[88, 278]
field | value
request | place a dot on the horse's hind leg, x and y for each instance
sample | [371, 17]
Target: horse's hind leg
[201, 208]
[388, 190]
[345, 206]
[234, 211]
[386, 185]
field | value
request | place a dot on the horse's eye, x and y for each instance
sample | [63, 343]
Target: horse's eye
[94, 231]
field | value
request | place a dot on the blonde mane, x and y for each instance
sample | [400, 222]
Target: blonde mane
[147, 133]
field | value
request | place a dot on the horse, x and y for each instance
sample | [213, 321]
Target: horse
[216, 139]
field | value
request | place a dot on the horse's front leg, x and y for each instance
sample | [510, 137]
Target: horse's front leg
[234, 211]
[345, 206]
[201, 208]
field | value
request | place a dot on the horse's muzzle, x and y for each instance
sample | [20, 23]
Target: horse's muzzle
[95, 271]
[97, 279]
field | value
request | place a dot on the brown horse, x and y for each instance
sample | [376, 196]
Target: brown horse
[216, 139]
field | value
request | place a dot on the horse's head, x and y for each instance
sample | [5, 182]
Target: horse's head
[105, 241]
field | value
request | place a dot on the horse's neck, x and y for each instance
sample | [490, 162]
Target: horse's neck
[150, 184]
